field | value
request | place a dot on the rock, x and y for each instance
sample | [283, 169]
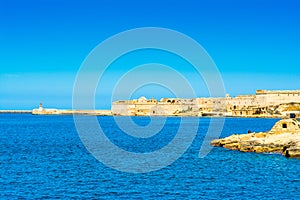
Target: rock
[283, 138]
[293, 152]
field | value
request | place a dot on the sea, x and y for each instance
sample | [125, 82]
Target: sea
[44, 157]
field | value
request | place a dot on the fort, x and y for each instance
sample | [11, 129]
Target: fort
[265, 103]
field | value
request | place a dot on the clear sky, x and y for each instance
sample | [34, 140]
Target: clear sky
[254, 43]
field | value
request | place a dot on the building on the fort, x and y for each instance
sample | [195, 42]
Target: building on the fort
[276, 97]
[264, 102]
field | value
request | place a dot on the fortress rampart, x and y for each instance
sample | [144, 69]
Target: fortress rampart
[264, 102]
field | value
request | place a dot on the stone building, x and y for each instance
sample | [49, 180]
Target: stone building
[262, 103]
[286, 126]
[276, 97]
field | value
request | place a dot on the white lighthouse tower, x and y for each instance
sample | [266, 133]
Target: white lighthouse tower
[41, 106]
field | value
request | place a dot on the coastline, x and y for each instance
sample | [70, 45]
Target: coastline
[283, 139]
[109, 113]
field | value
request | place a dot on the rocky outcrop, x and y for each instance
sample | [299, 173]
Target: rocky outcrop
[283, 138]
[287, 107]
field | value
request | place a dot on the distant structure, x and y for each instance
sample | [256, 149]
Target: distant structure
[166, 106]
[263, 103]
[52, 111]
[43, 111]
[41, 106]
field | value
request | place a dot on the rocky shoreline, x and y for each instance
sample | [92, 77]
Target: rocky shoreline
[283, 138]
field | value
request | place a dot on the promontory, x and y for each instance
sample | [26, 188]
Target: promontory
[283, 138]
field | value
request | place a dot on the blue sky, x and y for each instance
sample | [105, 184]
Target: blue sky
[255, 44]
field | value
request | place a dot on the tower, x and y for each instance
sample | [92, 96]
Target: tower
[41, 106]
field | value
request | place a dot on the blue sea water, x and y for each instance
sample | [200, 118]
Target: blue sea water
[43, 157]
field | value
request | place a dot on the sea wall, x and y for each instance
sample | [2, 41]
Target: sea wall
[71, 112]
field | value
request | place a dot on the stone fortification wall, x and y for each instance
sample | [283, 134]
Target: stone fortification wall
[264, 102]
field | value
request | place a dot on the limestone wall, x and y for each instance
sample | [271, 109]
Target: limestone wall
[242, 105]
[123, 108]
[144, 107]
[276, 97]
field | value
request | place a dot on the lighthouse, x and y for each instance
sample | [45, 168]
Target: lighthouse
[41, 106]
